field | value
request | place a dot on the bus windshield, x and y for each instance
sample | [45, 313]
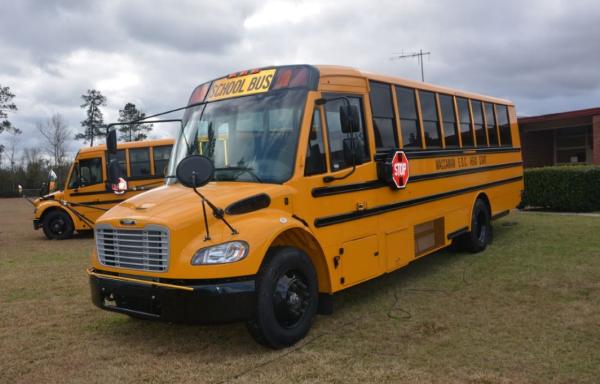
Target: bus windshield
[251, 138]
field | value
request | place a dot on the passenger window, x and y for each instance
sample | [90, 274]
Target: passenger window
[161, 159]
[430, 119]
[409, 119]
[315, 153]
[120, 157]
[449, 119]
[337, 139]
[504, 125]
[478, 122]
[491, 124]
[88, 172]
[139, 160]
[465, 122]
[383, 116]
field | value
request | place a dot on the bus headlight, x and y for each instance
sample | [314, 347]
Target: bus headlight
[220, 254]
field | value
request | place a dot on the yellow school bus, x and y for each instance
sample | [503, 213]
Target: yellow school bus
[288, 184]
[87, 195]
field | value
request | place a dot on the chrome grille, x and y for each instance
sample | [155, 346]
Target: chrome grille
[142, 249]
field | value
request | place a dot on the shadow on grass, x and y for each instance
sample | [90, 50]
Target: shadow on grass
[421, 275]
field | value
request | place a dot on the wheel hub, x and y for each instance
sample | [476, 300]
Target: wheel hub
[290, 298]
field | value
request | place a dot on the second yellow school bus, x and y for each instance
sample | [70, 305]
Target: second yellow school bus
[87, 196]
[288, 184]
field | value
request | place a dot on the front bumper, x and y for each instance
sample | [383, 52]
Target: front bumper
[37, 224]
[195, 303]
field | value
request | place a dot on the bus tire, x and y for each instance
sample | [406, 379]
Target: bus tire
[286, 298]
[57, 225]
[481, 229]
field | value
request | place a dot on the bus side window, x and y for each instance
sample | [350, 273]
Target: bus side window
[409, 119]
[503, 123]
[139, 159]
[161, 159]
[478, 122]
[449, 120]
[465, 122]
[120, 156]
[382, 110]
[315, 153]
[336, 136]
[490, 120]
[430, 119]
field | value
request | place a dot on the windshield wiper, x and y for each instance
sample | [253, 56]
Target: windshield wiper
[247, 170]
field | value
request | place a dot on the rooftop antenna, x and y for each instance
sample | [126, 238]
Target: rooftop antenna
[419, 55]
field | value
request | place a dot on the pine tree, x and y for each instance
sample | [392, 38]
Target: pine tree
[6, 105]
[133, 132]
[94, 123]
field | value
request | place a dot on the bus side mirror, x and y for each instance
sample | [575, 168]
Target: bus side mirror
[194, 171]
[111, 142]
[349, 118]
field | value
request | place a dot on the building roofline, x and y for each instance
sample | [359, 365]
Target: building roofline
[589, 112]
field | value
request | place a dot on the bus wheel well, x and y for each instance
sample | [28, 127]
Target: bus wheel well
[304, 241]
[486, 200]
[52, 209]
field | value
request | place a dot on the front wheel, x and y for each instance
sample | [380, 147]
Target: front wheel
[481, 229]
[286, 298]
[57, 225]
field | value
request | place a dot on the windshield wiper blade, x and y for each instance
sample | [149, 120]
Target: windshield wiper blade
[247, 170]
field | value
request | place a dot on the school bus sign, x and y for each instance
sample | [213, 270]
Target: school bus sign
[240, 86]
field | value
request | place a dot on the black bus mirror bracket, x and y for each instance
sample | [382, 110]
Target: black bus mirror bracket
[111, 142]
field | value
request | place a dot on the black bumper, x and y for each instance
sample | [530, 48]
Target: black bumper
[217, 302]
[37, 224]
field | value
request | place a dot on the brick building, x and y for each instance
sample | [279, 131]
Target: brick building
[561, 138]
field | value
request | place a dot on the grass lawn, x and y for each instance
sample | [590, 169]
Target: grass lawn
[525, 310]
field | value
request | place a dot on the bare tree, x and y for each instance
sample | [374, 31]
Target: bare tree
[12, 150]
[56, 133]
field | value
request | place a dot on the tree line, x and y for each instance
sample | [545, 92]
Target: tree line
[31, 170]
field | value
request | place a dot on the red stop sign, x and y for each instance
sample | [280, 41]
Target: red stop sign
[400, 171]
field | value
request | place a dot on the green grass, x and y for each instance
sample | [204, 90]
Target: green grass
[525, 310]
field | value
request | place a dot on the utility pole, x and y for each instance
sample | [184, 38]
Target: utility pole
[419, 55]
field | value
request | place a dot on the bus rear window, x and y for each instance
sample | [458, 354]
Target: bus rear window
[504, 125]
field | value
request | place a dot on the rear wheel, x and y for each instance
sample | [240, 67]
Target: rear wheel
[57, 225]
[481, 229]
[286, 298]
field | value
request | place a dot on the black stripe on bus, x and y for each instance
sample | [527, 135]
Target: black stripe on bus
[500, 214]
[101, 202]
[90, 193]
[355, 215]
[374, 184]
[418, 154]
[455, 234]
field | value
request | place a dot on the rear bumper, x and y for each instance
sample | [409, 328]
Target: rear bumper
[214, 302]
[37, 224]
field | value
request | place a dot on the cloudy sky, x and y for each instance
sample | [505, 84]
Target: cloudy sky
[542, 54]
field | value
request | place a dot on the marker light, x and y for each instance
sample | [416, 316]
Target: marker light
[291, 77]
[222, 253]
[199, 94]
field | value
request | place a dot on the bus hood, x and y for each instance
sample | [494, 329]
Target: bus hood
[177, 206]
[57, 195]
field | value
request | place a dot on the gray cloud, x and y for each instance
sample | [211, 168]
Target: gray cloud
[541, 54]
